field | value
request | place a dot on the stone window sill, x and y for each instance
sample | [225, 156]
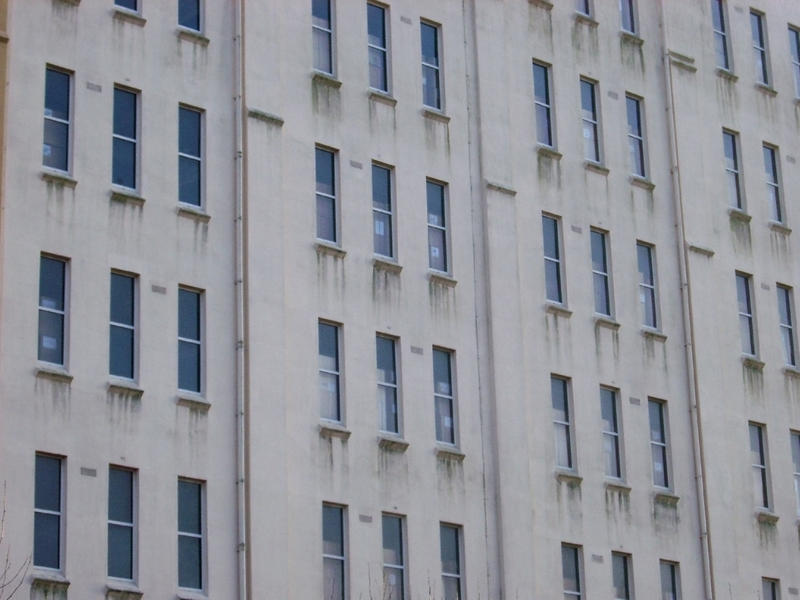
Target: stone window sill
[737, 214]
[124, 386]
[324, 247]
[54, 372]
[568, 477]
[122, 591]
[604, 321]
[193, 212]
[49, 584]
[192, 35]
[191, 595]
[499, 187]
[791, 371]
[392, 443]
[654, 334]
[264, 116]
[326, 79]
[764, 515]
[59, 177]
[442, 278]
[779, 227]
[545, 4]
[449, 453]
[384, 97]
[596, 167]
[587, 19]
[666, 498]
[753, 362]
[129, 16]
[642, 182]
[767, 89]
[557, 309]
[701, 250]
[618, 486]
[386, 264]
[334, 430]
[41, 576]
[726, 74]
[436, 115]
[631, 38]
[548, 151]
[73, 2]
[127, 196]
[193, 400]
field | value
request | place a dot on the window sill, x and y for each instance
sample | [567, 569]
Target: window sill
[605, 321]
[191, 595]
[779, 227]
[442, 278]
[618, 486]
[701, 250]
[266, 117]
[665, 498]
[54, 372]
[392, 443]
[193, 212]
[752, 362]
[631, 38]
[129, 16]
[590, 165]
[791, 371]
[192, 35]
[73, 2]
[324, 247]
[386, 264]
[124, 386]
[654, 334]
[123, 591]
[51, 583]
[59, 178]
[568, 477]
[193, 400]
[726, 74]
[642, 182]
[447, 452]
[326, 79]
[499, 187]
[766, 89]
[586, 19]
[127, 197]
[384, 97]
[334, 430]
[545, 4]
[548, 152]
[764, 515]
[435, 114]
[737, 214]
[557, 309]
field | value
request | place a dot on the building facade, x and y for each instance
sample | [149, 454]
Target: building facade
[401, 300]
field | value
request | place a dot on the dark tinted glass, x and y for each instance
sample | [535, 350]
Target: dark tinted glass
[435, 193]
[190, 560]
[124, 163]
[784, 310]
[124, 113]
[120, 495]
[634, 126]
[56, 94]
[619, 566]
[645, 264]
[392, 540]
[51, 283]
[540, 84]
[608, 409]
[189, 180]
[46, 540]
[51, 337]
[120, 551]
[599, 251]
[449, 549]
[131, 4]
[325, 178]
[321, 13]
[550, 232]
[558, 397]
[381, 188]
[441, 372]
[48, 483]
[656, 422]
[189, 366]
[587, 99]
[189, 131]
[743, 293]
[122, 299]
[55, 148]
[189, 507]
[569, 567]
[717, 15]
[375, 25]
[332, 533]
[385, 355]
[188, 314]
[189, 14]
[328, 347]
[430, 50]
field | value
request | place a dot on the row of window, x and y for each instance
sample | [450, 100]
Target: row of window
[123, 321]
[123, 509]
[126, 152]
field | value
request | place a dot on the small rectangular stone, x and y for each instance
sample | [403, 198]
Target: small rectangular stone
[365, 518]
[635, 401]
[88, 472]
[416, 350]
[158, 289]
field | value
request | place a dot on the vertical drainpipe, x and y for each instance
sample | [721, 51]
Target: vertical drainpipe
[688, 321]
[3, 148]
[239, 168]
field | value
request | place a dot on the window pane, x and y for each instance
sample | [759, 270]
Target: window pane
[387, 405]
[598, 251]
[322, 51]
[430, 50]
[587, 100]
[189, 14]
[385, 359]
[436, 249]
[441, 372]
[392, 584]
[540, 84]
[333, 582]
[332, 531]
[601, 296]
[445, 431]
[321, 13]
[382, 236]
[188, 366]
[189, 180]
[435, 196]
[326, 218]
[656, 424]
[48, 483]
[392, 540]
[375, 26]
[124, 163]
[124, 113]
[122, 299]
[188, 314]
[645, 264]
[328, 347]
[329, 396]
[452, 588]
[669, 584]
[190, 573]
[449, 549]
[51, 283]
[563, 450]
[51, 337]
[189, 130]
[381, 188]
[619, 567]
[325, 175]
[56, 142]
[56, 94]
[659, 465]
[611, 456]
[608, 410]
[558, 396]
[550, 233]
[632, 107]
[189, 514]
[131, 4]
[430, 87]
[46, 540]
[569, 567]
[120, 551]
[543, 133]
[120, 495]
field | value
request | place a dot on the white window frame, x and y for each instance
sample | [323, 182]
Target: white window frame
[733, 172]
[627, 569]
[332, 197]
[592, 122]
[460, 547]
[579, 579]
[198, 342]
[557, 260]
[674, 574]
[638, 138]
[394, 386]
[663, 446]
[61, 514]
[794, 440]
[385, 50]
[650, 288]
[451, 398]
[760, 48]
[437, 68]
[546, 105]
[337, 373]
[403, 551]
[137, 10]
[760, 468]
[772, 173]
[330, 32]
[63, 312]
[748, 315]
[788, 339]
[198, 159]
[584, 8]
[133, 328]
[614, 435]
[770, 588]
[564, 428]
[201, 536]
[604, 275]
[794, 43]
[133, 525]
[721, 33]
[445, 228]
[67, 121]
[389, 213]
[340, 558]
[200, 18]
[629, 7]
[137, 170]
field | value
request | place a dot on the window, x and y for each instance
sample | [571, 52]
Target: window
[731, 146]
[47, 511]
[621, 572]
[333, 555]
[121, 523]
[387, 384]
[658, 443]
[189, 340]
[773, 183]
[559, 396]
[542, 104]
[611, 433]
[553, 266]
[55, 150]
[329, 372]
[601, 273]
[760, 57]
[125, 138]
[589, 114]
[443, 396]
[670, 581]
[52, 309]
[795, 441]
[431, 69]
[647, 285]
[758, 458]
[571, 571]
[189, 14]
[785, 312]
[437, 226]
[129, 4]
[326, 195]
[122, 326]
[794, 44]
[770, 589]
[583, 7]
[191, 542]
[382, 217]
[627, 11]
[378, 48]
[718, 18]
[449, 537]
[746, 324]
[190, 159]
[393, 558]
[322, 31]
[635, 136]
